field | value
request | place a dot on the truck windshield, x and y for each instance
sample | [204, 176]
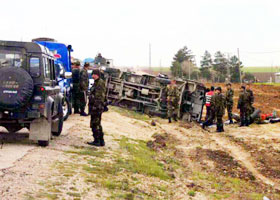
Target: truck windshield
[11, 58]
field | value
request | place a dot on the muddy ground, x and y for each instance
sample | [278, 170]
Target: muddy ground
[143, 161]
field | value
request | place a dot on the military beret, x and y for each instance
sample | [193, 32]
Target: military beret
[86, 64]
[219, 88]
[77, 63]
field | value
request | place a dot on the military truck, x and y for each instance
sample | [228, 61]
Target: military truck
[147, 93]
[29, 93]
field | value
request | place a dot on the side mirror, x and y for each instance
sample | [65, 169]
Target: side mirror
[68, 75]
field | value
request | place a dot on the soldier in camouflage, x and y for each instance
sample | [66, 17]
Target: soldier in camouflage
[96, 108]
[84, 82]
[244, 105]
[251, 98]
[218, 104]
[76, 86]
[229, 102]
[172, 101]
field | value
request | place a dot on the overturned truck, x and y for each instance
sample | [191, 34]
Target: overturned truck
[147, 94]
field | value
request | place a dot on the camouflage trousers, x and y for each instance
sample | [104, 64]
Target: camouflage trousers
[79, 100]
[172, 109]
[245, 115]
[95, 125]
[229, 111]
[219, 120]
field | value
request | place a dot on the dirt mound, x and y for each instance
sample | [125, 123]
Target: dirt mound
[159, 142]
[224, 163]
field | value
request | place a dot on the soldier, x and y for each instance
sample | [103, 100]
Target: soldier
[244, 106]
[76, 86]
[172, 101]
[229, 102]
[96, 108]
[84, 82]
[218, 109]
[251, 98]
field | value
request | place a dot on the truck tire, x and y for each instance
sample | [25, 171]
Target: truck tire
[16, 88]
[43, 143]
[13, 129]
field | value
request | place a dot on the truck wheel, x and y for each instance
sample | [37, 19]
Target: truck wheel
[43, 143]
[66, 108]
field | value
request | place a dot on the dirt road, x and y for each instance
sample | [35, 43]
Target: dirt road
[141, 161]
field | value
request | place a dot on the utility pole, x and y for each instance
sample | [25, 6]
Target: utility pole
[150, 57]
[239, 65]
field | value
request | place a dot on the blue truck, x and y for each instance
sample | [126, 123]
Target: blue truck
[62, 54]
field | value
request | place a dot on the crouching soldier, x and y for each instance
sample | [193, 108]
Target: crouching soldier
[96, 108]
[244, 105]
[172, 101]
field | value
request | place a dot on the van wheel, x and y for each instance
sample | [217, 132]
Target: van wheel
[13, 129]
[43, 143]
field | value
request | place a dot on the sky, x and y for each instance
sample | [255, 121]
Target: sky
[123, 29]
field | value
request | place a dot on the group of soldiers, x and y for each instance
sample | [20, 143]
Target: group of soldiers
[96, 98]
[216, 103]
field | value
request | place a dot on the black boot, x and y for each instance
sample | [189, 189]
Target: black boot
[102, 142]
[175, 118]
[230, 121]
[222, 128]
[218, 130]
[83, 114]
[169, 119]
[76, 111]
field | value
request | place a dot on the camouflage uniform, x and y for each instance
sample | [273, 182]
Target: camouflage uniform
[251, 100]
[245, 107]
[219, 107]
[229, 103]
[76, 89]
[172, 101]
[96, 107]
[84, 82]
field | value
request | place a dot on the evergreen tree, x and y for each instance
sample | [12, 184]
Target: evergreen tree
[181, 56]
[205, 65]
[220, 65]
[234, 69]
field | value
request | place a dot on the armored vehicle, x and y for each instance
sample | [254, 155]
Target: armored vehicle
[29, 92]
[147, 93]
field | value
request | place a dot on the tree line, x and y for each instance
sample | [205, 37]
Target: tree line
[218, 68]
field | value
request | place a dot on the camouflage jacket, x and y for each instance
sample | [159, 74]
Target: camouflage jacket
[76, 79]
[229, 97]
[251, 96]
[97, 96]
[84, 80]
[218, 104]
[172, 93]
[244, 100]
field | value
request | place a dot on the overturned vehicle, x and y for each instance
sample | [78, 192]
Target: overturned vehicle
[147, 94]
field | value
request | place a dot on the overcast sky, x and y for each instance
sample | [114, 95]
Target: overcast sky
[123, 29]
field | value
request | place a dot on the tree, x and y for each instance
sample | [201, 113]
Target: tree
[234, 69]
[248, 77]
[205, 65]
[182, 55]
[220, 65]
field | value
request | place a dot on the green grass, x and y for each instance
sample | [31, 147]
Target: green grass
[272, 84]
[130, 113]
[191, 193]
[162, 69]
[260, 69]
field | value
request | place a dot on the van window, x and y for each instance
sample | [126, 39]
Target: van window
[34, 66]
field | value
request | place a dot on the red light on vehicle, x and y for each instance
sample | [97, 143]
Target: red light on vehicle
[42, 106]
[42, 89]
[57, 56]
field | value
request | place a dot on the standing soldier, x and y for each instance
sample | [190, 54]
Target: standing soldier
[172, 100]
[96, 108]
[218, 108]
[251, 98]
[208, 97]
[229, 102]
[244, 106]
[76, 86]
[83, 89]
